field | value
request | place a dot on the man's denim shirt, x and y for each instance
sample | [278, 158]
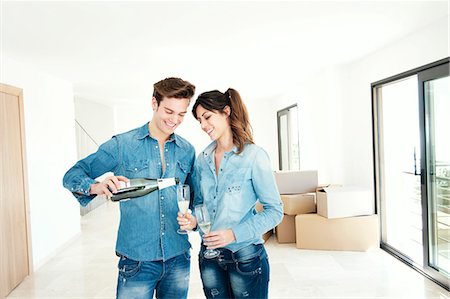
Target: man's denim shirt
[148, 224]
[231, 195]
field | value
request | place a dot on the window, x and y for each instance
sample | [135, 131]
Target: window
[288, 139]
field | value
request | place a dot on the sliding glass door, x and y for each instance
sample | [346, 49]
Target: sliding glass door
[401, 206]
[435, 87]
[412, 167]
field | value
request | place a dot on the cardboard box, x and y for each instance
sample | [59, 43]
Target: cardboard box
[354, 233]
[267, 235]
[294, 204]
[285, 231]
[296, 182]
[340, 202]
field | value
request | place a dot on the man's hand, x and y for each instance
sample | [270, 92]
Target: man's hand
[218, 239]
[109, 186]
[186, 221]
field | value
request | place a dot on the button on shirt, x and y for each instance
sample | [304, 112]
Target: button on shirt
[231, 195]
[148, 225]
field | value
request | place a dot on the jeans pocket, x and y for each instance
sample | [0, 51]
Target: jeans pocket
[128, 268]
[251, 266]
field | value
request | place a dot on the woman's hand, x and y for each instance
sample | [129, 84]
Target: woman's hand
[109, 186]
[218, 239]
[186, 221]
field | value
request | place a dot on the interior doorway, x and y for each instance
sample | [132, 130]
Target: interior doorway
[15, 257]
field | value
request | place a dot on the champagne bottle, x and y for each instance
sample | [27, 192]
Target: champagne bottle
[142, 186]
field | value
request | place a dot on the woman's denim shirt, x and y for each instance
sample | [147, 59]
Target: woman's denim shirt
[231, 195]
[148, 224]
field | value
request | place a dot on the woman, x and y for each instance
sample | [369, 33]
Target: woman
[232, 173]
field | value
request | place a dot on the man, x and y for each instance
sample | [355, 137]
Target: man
[152, 255]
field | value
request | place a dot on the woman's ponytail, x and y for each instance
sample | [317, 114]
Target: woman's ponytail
[239, 120]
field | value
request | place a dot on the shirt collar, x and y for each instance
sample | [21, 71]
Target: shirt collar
[143, 132]
[208, 151]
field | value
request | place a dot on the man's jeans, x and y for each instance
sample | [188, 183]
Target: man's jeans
[139, 280]
[242, 274]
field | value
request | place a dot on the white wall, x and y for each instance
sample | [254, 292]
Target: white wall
[96, 118]
[263, 118]
[132, 115]
[50, 151]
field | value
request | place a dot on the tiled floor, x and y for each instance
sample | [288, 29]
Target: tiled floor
[87, 269]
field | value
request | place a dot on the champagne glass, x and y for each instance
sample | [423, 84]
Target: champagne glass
[183, 202]
[204, 221]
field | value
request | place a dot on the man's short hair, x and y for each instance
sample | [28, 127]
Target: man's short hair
[173, 88]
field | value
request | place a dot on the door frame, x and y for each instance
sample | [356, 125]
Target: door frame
[435, 72]
[15, 91]
[425, 270]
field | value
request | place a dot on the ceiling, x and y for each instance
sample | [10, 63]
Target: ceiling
[114, 51]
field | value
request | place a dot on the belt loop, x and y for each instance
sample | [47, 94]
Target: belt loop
[235, 259]
[263, 254]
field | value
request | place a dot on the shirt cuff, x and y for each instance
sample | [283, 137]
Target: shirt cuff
[82, 191]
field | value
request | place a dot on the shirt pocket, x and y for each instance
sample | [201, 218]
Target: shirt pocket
[137, 169]
[182, 171]
[237, 180]
[236, 203]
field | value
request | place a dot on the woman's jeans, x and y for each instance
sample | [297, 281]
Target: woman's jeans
[139, 280]
[242, 274]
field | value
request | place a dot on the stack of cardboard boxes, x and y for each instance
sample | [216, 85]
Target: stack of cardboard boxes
[297, 193]
[294, 204]
[344, 220]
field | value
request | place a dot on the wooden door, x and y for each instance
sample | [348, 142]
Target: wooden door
[14, 225]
